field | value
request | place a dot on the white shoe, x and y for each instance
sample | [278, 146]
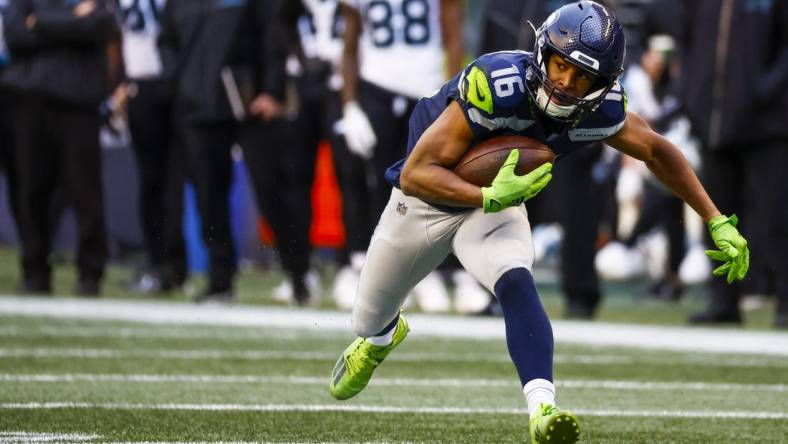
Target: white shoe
[696, 267]
[284, 291]
[345, 287]
[431, 294]
[469, 296]
[616, 262]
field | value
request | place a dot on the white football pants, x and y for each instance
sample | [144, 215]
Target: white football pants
[412, 238]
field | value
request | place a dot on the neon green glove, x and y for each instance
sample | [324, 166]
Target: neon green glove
[508, 189]
[732, 246]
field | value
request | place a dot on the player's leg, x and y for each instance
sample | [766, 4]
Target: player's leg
[352, 174]
[80, 161]
[280, 155]
[497, 249]
[209, 165]
[411, 239]
[160, 187]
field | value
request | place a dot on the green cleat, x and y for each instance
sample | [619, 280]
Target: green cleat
[552, 425]
[354, 368]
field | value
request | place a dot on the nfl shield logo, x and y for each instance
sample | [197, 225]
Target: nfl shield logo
[402, 209]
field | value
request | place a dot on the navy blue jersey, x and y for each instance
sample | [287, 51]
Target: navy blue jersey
[495, 102]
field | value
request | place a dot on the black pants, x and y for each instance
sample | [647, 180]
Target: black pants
[209, 168]
[579, 198]
[280, 156]
[661, 208]
[160, 166]
[750, 181]
[58, 144]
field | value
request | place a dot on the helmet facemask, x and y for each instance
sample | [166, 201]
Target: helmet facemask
[569, 109]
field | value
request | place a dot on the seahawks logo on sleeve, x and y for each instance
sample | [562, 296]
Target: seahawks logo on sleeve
[492, 90]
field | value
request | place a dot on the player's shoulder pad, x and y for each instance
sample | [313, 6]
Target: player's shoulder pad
[494, 82]
[606, 120]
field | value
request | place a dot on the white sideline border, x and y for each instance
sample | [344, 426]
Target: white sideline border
[651, 337]
[388, 409]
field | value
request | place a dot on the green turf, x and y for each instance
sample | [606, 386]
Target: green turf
[146, 350]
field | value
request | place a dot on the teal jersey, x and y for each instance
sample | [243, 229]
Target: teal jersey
[495, 101]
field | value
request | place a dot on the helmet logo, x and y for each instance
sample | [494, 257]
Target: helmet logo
[584, 59]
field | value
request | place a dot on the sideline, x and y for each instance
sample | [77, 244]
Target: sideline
[651, 337]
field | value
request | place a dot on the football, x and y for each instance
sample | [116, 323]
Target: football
[481, 162]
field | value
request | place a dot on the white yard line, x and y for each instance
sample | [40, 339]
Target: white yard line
[71, 441]
[721, 414]
[272, 355]
[422, 382]
[587, 333]
[259, 355]
[162, 333]
[28, 437]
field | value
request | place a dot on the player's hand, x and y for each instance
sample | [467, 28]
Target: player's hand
[732, 246]
[508, 189]
[84, 8]
[359, 134]
[266, 106]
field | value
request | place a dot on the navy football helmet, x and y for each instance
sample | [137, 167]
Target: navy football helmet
[587, 35]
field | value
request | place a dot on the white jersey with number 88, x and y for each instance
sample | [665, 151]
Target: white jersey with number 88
[401, 48]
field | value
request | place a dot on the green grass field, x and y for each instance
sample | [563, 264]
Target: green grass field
[85, 380]
[100, 381]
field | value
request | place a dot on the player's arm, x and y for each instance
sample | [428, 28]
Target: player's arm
[667, 163]
[359, 134]
[451, 29]
[350, 39]
[671, 168]
[428, 174]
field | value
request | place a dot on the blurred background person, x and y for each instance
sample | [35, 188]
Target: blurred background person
[315, 65]
[147, 97]
[217, 53]
[306, 47]
[60, 73]
[394, 53]
[735, 87]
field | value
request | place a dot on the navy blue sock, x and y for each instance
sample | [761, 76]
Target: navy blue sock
[389, 327]
[529, 334]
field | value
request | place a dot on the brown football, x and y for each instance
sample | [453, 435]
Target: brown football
[481, 162]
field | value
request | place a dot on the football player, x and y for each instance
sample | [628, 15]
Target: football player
[565, 94]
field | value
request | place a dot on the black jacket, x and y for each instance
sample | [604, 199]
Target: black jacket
[201, 37]
[61, 56]
[740, 96]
